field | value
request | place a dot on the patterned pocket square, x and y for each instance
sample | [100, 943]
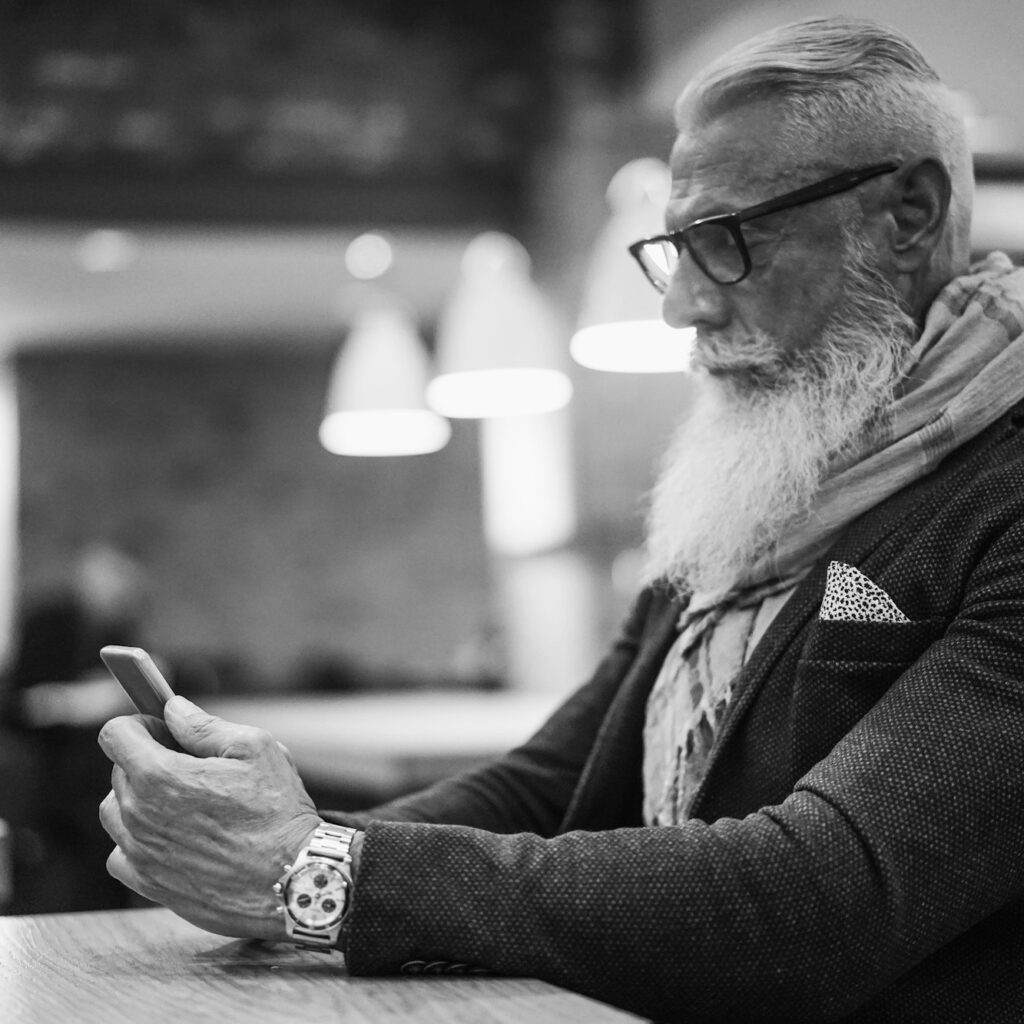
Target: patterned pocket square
[851, 597]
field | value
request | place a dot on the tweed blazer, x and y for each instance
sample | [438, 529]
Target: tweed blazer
[857, 845]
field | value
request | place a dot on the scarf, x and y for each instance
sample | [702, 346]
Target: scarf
[964, 371]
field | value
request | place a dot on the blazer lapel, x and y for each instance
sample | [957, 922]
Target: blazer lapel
[610, 792]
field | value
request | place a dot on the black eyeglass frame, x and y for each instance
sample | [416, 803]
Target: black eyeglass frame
[732, 221]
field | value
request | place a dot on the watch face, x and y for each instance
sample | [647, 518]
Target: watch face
[315, 896]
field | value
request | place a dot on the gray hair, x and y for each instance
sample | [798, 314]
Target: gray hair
[851, 89]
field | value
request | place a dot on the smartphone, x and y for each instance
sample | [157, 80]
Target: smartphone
[133, 668]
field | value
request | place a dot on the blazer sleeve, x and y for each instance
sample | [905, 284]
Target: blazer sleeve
[905, 836]
[529, 789]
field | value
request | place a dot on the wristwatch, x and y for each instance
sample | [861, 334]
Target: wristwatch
[315, 891]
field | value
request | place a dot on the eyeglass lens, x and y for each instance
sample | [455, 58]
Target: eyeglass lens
[715, 249]
[712, 246]
[659, 259]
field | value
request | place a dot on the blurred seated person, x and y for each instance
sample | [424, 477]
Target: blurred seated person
[62, 631]
[58, 693]
[794, 788]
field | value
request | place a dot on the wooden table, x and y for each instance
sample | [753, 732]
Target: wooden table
[132, 966]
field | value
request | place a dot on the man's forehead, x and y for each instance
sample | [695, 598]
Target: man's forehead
[740, 150]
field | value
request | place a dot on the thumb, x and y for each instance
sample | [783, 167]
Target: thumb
[199, 733]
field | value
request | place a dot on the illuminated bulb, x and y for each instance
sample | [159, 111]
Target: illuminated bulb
[380, 432]
[368, 256]
[476, 394]
[106, 251]
[633, 346]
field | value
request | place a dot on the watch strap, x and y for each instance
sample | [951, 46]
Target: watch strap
[332, 841]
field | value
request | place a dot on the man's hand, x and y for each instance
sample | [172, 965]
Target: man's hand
[206, 832]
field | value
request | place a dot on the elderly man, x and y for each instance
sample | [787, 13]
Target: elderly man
[794, 789]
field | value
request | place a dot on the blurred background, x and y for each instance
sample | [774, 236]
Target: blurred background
[236, 239]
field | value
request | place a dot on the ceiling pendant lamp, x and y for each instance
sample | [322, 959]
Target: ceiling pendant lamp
[620, 325]
[498, 342]
[375, 397]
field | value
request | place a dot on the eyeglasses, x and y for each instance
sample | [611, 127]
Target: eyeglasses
[716, 244]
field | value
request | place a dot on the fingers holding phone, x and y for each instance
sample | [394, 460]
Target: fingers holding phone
[204, 834]
[137, 673]
[145, 684]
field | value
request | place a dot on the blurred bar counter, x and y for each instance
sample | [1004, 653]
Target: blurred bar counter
[352, 750]
[360, 749]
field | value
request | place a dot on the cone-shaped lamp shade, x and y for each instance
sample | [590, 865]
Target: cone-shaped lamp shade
[375, 403]
[498, 342]
[620, 325]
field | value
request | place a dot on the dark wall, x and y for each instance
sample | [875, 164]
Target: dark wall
[261, 548]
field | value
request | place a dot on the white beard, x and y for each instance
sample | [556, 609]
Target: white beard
[767, 429]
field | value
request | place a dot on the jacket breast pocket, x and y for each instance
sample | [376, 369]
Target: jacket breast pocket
[843, 671]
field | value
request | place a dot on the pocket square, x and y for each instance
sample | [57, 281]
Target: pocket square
[851, 597]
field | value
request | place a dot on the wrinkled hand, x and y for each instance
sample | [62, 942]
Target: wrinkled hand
[205, 832]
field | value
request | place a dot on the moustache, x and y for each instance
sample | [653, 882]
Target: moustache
[755, 359]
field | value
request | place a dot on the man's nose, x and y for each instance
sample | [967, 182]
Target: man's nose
[692, 299]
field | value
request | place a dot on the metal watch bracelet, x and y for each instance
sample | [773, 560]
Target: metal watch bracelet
[333, 843]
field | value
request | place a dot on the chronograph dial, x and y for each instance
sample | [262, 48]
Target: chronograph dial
[315, 894]
[315, 891]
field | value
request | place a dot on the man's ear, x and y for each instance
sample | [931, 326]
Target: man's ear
[920, 205]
